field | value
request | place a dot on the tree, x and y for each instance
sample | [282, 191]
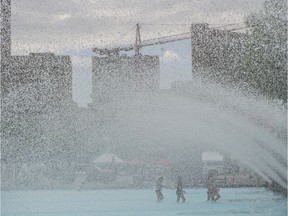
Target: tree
[266, 50]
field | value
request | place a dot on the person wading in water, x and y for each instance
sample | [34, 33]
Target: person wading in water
[179, 191]
[158, 189]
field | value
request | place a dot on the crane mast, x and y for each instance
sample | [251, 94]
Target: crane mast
[138, 56]
[137, 41]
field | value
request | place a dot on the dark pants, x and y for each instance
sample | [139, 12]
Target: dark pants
[213, 194]
[180, 194]
[159, 195]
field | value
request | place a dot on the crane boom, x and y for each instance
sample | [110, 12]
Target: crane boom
[167, 39]
[112, 51]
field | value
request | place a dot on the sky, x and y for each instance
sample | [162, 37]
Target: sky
[74, 27]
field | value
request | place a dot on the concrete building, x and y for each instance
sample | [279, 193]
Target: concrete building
[34, 69]
[40, 70]
[217, 54]
[36, 89]
[5, 29]
[117, 76]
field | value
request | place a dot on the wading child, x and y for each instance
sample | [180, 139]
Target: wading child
[179, 191]
[158, 189]
[213, 191]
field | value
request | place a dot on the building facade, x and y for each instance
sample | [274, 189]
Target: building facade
[217, 54]
[118, 76]
[37, 69]
[36, 92]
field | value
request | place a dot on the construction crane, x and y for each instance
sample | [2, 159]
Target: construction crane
[138, 59]
[161, 40]
[139, 44]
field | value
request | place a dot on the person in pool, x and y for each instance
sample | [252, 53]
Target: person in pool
[213, 191]
[158, 189]
[179, 189]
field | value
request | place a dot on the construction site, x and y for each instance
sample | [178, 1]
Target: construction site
[54, 135]
[215, 54]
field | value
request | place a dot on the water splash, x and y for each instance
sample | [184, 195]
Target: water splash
[207, 116]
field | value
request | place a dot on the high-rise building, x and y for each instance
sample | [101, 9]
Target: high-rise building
[118, 76]
[5, 29]
[41, 70]
[217, 54]
[36, 89]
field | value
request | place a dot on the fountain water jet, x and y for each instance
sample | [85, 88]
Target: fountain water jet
[249, 128]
